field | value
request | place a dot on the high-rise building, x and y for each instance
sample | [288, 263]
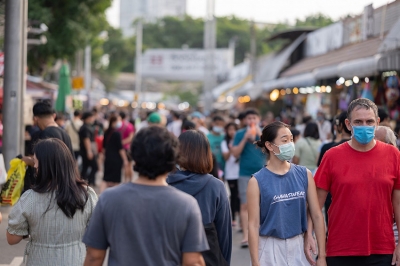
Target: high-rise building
[149, 10]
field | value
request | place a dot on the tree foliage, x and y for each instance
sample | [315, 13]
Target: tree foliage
[72, 24]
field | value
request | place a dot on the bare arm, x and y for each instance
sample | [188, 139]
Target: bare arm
[13, 239]
[28, 161]
[94, 257]
[253, 203]
[122, 152]
[128, 140]
[396, 209]
[192, 259]
[237, 150]
[309, 243]
[316, 216]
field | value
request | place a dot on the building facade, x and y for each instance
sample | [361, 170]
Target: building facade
[149, 10]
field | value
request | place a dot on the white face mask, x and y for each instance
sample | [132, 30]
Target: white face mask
[118, 125]
[286, 151]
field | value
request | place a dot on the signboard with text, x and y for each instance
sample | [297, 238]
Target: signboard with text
[184, 64]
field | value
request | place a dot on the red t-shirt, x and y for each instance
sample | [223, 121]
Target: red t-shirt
[361, 184]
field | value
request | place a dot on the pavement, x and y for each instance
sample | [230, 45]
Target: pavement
[13, 255]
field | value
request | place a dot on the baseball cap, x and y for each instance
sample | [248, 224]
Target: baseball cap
[154, 118]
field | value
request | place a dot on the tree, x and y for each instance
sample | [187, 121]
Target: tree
[72, 24]
[316, 21]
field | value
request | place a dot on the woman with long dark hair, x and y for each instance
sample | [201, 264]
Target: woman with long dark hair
[115, 154]
[231, 168]
[210, 193]
[56, 211]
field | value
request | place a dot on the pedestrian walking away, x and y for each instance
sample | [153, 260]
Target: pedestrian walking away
[210, 193]
[277, 198]
[363, 177]
[147, 222]
[55, 212]
[115, 155]
[88, 148]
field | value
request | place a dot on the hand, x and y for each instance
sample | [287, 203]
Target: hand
[310, 248]
[396, 255]
[28, 160]
[258, 131]
[321, 261]
[90, 155]
[126, 163]
[249, 135]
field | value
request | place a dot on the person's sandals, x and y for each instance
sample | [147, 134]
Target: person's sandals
[244, 244]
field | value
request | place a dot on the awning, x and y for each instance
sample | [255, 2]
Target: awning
[389, 61]
[325, 66]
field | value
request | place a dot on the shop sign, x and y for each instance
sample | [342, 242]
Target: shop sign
[324, 40]
[184, 64]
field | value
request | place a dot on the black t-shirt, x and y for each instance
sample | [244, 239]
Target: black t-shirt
[49, 132]
[52, 132]
[326, 147]
[86, 131]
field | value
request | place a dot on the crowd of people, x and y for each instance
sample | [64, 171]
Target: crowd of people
[200, 178]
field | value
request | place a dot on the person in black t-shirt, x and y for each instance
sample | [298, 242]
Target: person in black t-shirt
[43, 117]
[341, 134]
[88, 148]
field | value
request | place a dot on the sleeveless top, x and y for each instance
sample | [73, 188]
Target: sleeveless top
[283, 199]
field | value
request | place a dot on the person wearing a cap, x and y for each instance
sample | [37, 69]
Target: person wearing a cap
[88, 148]
[198, 119]
[154, 119]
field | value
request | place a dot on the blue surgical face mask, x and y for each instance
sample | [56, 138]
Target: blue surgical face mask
[286, 151]
[363, 134]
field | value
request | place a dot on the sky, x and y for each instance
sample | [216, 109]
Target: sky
[271, 11]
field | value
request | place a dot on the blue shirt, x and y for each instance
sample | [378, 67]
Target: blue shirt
[215, 144]
[283, 199]
[252, 158]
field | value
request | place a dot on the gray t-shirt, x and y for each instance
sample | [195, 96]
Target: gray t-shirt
[146, 225]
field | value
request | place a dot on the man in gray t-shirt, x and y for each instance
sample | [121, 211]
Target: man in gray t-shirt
[147, 222]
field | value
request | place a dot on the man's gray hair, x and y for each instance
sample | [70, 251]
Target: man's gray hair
[362, 102]
[390, 137]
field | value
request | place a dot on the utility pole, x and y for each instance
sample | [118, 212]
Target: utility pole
[12, 79]
[88, 73]
[138, 66]
[210, 43]
[253, 49]
[24, 49]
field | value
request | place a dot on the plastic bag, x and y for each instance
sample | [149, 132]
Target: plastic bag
[14, 185]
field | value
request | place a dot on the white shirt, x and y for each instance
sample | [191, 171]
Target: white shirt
[324, 130]
[231, 165]
[175, 127]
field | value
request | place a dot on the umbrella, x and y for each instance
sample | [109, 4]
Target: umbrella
[64, 88]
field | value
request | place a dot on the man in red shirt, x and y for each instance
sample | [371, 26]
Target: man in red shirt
[363, 176]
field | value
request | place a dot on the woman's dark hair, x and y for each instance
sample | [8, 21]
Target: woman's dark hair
[195, 152]
[155, 152]
[311, 130]
[188, 125]
[227, 137]
[110, 130]
[269, 133]
[58, 174]
[295, 132]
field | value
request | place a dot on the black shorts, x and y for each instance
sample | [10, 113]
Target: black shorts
[376, 260]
